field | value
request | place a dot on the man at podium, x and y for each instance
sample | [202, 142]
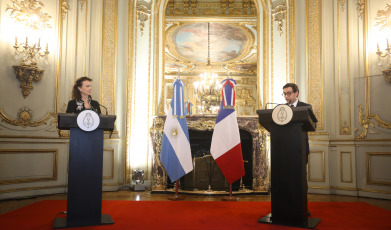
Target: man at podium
[291, 94]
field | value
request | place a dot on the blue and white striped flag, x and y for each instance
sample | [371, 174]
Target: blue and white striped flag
[176, 153]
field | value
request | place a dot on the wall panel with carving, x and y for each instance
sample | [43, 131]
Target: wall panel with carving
[28, 92]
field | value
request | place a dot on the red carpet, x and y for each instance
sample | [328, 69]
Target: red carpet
[199, 215]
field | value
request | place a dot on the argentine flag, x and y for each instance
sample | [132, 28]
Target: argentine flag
[175, 153]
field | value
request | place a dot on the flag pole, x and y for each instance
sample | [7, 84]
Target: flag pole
[176, 197]
[230, 198]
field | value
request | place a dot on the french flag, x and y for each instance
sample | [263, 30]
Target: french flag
[226, 148]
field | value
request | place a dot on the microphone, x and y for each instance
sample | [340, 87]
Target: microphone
[270, 103]
[103, 107]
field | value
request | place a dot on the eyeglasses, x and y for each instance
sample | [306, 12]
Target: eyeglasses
[287, 93]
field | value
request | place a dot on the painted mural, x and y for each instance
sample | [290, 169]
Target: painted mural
[227, 42]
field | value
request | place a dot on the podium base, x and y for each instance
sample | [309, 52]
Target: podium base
[61, 222]
[176, 198]
[311, 223]
[230, 198]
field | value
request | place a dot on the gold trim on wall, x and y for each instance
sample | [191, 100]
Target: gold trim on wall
[315, 59]
[112, 164]
[369, 176]
[27, 180]
[129, 89]
[342, 166]
[369, 115]
[25, 118]
[109, 54]
[323, 179]
[345, 127]
[292, 42]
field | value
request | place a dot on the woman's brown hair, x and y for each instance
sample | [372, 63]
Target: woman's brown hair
[75, 90]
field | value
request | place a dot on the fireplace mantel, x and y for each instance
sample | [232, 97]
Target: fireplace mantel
[206, 123]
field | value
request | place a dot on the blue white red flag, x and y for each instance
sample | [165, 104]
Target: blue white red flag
[226, 148]
[176, 153]
[188, 108]
[228, 93]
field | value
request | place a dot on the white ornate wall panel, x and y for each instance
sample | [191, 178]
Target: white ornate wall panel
[29, 139]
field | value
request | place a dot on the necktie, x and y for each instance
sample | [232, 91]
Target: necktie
[292, 106]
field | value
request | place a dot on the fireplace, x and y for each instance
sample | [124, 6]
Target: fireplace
[206, 176]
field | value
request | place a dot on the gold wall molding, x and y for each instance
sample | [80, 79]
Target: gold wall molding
[27, 180]
[32, 188]
[129, 89]
[25, 118]
[374, 191]
[342, 4]
[341, 165]
[370, 180]
[143, 15]
[314, 59]
[365, 122]
[109, 54]
[64, 8]
[361, 8]
[368, 114]
[345, 127]
[343, 188]
[279, 16]
[292, 41]
[112, 164]
[323, 179]
[82, 3]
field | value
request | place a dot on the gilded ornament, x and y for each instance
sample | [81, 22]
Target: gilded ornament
[364, 122]
[383, 18]
[25, 11]
[143, 15]
[27, 75]
[24, 118]
[279, 15]
[345, 129]
[387, 75]
[82, 4]
[64, 8]
[342, 4]
[361, 8]
[203, 124]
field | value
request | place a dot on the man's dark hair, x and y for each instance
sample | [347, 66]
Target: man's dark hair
[295, 88]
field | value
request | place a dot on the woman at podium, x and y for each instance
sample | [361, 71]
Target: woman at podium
[81, 97]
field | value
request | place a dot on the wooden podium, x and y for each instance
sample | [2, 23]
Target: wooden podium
[288, 168]
[84, 201]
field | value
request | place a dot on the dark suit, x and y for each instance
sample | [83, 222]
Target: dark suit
[300, 103]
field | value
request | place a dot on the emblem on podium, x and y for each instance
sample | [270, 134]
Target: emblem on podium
[282, 114]
[88, 120]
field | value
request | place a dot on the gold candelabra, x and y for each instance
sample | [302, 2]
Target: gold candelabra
[383, 54]
[30, 52]
[28, 72]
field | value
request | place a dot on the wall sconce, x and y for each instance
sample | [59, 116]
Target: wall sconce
[383, 21]
[28, 72]
[383, 54]
[29, 13]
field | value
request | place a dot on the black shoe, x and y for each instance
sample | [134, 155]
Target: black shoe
[308, 213]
